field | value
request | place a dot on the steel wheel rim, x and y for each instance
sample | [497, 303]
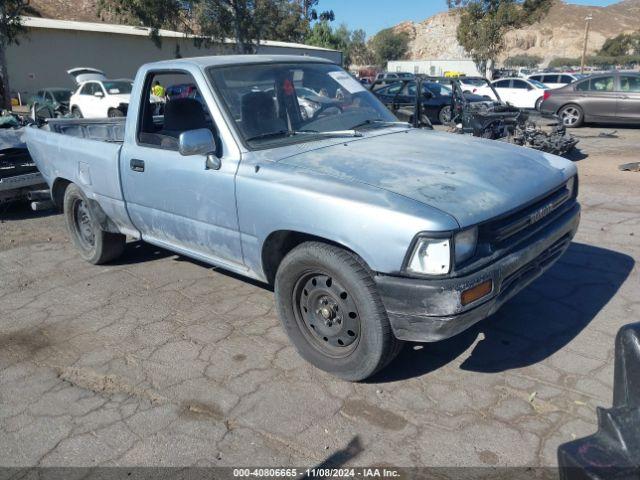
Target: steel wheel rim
[83, 224]
[326, 314]
[570, 116]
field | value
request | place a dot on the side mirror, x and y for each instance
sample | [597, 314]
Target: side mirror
[98, 94]
[200, 142]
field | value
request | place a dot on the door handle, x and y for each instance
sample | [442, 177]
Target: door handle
[137, 165]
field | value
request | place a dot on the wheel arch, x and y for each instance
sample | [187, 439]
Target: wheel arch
[566, 104]
[280, 242]
[58, 187]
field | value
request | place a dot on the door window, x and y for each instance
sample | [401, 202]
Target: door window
[395, 89]
[502, 84]
[630, 84]
[565, 79]
[180, 109]
[88, 89]
[521, 85]
[603, 84]
[536, 77]
[550, 79]
[583, 86]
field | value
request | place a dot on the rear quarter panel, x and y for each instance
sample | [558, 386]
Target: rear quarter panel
[90, 164]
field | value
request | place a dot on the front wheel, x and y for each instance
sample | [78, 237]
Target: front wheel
[115, 113]
[76, 113]
[444, 116]
[95, 245]
[330, 308]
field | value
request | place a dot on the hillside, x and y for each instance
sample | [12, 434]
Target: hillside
[77, 10]
[559, 34]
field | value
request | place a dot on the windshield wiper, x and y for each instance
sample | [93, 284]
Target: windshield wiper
[380, 122]
[291, 133]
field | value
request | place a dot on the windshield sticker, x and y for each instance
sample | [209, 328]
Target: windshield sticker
[347, 81]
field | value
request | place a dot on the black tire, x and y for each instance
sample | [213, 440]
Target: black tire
[75, 111]
[349, 334]
[539, 103]
[571, 115]
[444, 115]
[115, 113]
[95, 245]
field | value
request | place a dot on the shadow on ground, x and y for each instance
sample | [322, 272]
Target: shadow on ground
[140, 252]
[532, 326]
[22, 211]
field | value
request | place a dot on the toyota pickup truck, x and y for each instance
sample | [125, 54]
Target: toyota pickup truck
[371, 232]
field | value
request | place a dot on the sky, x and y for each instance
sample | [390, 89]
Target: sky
[374, 15]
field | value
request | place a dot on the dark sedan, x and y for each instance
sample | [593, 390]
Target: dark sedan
[436, 98]
[606, 98]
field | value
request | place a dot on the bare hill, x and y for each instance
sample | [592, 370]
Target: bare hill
[559, 34]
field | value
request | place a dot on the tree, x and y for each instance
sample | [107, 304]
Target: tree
[388, 45]
[483, 24]
[11, 28]
[210, 21]
[524, 60]
[623, 44]
[352, 43]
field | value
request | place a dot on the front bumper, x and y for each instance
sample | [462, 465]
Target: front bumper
[430, 310]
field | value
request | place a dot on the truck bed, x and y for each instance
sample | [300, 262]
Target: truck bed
[101, 129]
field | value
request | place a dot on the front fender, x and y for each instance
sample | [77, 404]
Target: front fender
[374, 223]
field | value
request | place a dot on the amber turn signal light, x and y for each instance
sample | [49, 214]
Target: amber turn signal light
[475, 293]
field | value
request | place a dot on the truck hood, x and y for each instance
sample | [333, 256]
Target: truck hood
[471, 179]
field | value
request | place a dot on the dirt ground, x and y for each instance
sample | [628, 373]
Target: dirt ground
[160, 360]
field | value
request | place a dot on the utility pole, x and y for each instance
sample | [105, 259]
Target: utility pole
[587, 19]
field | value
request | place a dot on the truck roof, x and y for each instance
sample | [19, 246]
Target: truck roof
[220, 60]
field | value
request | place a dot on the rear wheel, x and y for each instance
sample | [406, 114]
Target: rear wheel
[115, 113]
[539, 103]
[330, 309]
[572, 116]
[95, 245]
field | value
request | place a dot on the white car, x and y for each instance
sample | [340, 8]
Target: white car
[519, 92]
[97, 96]
[556, 80]
[472, 84]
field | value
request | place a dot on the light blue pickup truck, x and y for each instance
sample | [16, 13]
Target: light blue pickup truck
[286, 170]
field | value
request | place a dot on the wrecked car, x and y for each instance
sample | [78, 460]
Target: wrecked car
[19, 176]
[435, 101]
[371, 232]
[496, 120]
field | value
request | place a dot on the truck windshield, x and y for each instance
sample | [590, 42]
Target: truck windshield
[270, 102]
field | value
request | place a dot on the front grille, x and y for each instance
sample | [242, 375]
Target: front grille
[497, 232]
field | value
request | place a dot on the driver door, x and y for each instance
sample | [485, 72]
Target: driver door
[173, 200]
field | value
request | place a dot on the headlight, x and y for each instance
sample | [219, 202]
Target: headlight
[431, 256]
[465, 244]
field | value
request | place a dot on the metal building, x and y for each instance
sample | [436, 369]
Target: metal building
[51, 47]
[434, 67]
